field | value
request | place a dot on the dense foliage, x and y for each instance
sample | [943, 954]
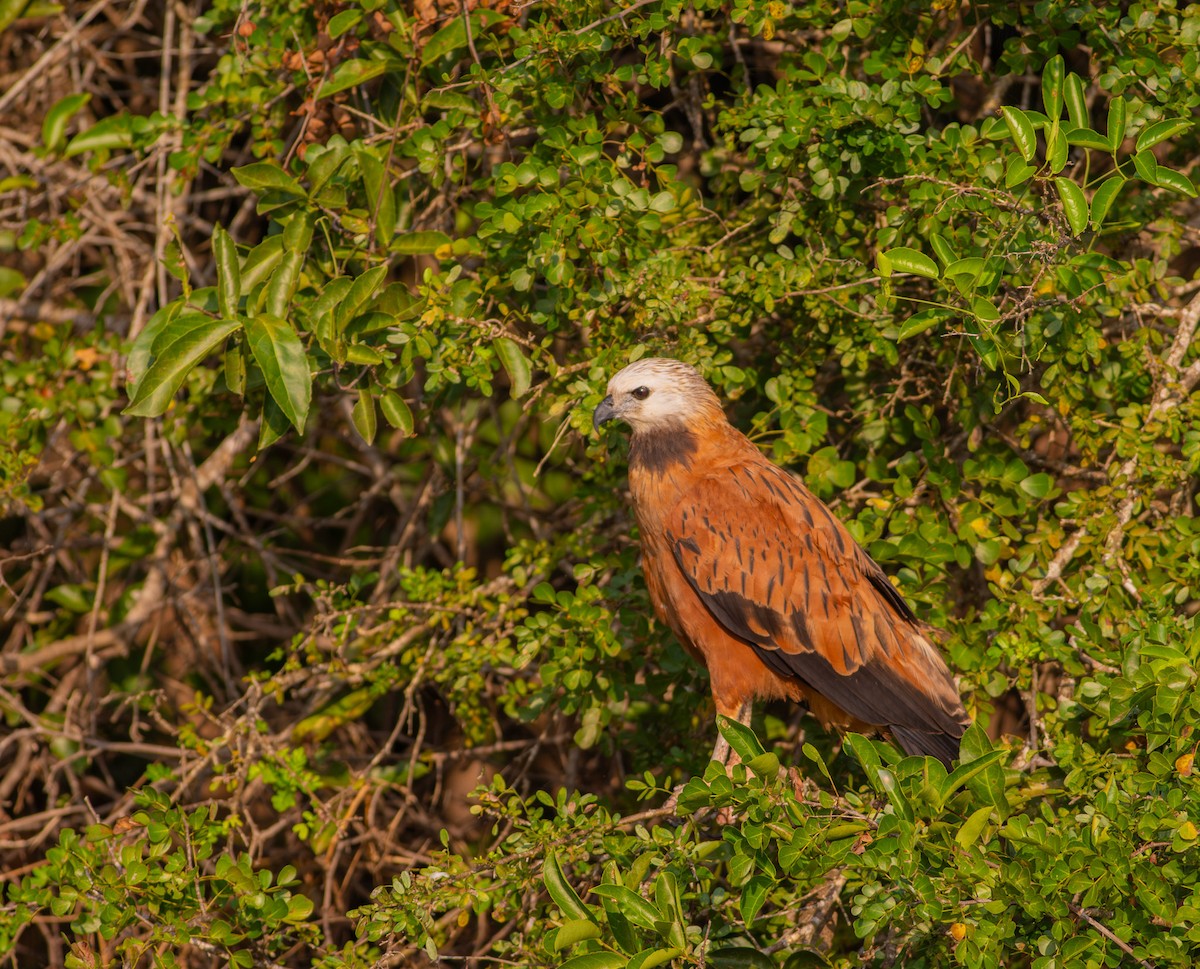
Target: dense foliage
[325, 641]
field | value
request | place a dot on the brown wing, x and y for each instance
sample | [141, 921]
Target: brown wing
[778, 571]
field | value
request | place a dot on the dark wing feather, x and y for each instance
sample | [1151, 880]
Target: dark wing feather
[778, 571]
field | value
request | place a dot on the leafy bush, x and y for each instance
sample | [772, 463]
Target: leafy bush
[329, 644]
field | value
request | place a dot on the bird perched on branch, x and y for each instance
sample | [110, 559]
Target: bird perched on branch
[762, 583]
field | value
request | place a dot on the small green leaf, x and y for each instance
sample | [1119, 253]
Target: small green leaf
[905, 260]
[635, 908]
[264, 176]
[740, 737]
[1052, 87]
[381, 200]
[453, 36]
[339, 23]
[573, 932]
[350, 74]
[396, 412]
[229, 282]
[984, 310]
[1116, 123]
[1086, 138]
[561, 892]
[280, 356]
[1022, 131]
[1037, 485]
[104, 135]
[235, 368]
[1075, 95]
[1104, 197]
[363, 415]
[920, 322]
[1056, 149]
[54, 125]
[650, 958]
[1147, 166]
[1161, 131]
[595, 960]
[1018, 172]
[1074, 204]
[516, 365]
[739, 957]
[1176, 181]
[417, 243]
[299, 908]
[973, 827]
[177, 348]
[361, 291]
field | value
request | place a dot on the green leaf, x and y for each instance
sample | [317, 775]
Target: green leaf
[1116, 123]
[229, 281]
[453, 36]
[381, 200]
[1086, 138]
[973, 827]
[739, 957]
[261, 262]
[1022, 131]
[280, 356]
[1160, 131]
[1175, 181]
[1017, 172]
[649, 958]
[299, 908]
[235, 368]
[561, 892]
[1056, 149]
[178, 347]
[1104, 197]
[1147, 166]
[1075, 96]
[740, 737]
[1037, 485]
[635, 908]
[1052, 87]
[595, 960]
[1074, 204]
[339, 23]
[865, 753]
[104, 135]
[396, 412]
[906, 260]
[417, 243]
[361, 291]
[274, 423]
[54, 125]
[963, 773]
[573, 932]
[984, 310]
[920, 322]
[363, 415]
[350, 74]
[265, 176]
[516, 365]
[10, 12]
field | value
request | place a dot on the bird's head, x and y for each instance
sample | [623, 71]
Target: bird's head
[657, 393]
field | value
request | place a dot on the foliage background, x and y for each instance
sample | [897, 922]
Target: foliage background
[386, 689]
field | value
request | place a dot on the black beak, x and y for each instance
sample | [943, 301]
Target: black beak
[605, 412]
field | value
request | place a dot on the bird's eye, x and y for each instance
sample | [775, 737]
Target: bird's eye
[641, 393]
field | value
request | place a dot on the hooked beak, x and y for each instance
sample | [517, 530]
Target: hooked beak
[604, 412]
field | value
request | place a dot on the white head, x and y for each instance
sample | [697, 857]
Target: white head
[658, 392]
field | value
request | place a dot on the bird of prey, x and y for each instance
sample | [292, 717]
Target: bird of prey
[759, 580]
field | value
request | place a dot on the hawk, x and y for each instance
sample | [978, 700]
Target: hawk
[762, 583]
